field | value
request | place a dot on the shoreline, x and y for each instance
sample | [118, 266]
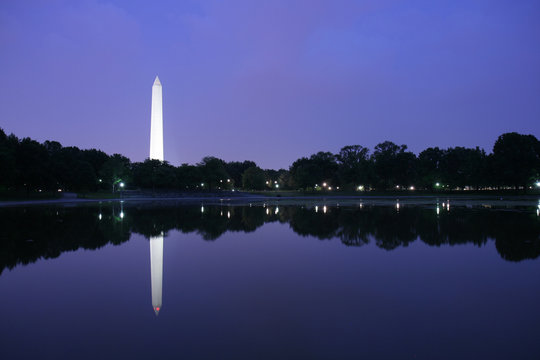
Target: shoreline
[244, 199]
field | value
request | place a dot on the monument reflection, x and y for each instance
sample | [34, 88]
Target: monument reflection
[156, 270]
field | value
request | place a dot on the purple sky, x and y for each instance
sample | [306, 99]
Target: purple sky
[269, 81]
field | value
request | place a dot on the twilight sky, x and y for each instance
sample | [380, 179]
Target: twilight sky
[269, 80]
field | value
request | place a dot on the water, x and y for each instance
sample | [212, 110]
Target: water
[315, 280]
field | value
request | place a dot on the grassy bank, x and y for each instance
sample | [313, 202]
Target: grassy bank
[293, 193]
[98, 195]
[23, 195]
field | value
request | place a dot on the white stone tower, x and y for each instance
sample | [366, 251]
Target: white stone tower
[156, 270]
[156, 125]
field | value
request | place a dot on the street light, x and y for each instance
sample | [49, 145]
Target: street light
[119, 182]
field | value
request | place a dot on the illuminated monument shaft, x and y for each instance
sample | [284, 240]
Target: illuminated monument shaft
[156, 125]
[156, 152]
[156, 265]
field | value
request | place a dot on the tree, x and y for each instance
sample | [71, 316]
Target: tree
[8, 165]
[516, 159]
[213, 170]
[188, 177]
[301, 173]
[393, 165]
[253, 179]
[320, 167]
[32, 160]
[354, 167]
[235, 169]
[116, 168]
[70, 169]
[96, 158]
[154, 174]
[429, 167]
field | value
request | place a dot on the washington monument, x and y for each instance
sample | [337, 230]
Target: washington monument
[156, 153]
[156, 124]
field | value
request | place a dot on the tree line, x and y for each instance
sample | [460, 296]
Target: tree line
[28, 165]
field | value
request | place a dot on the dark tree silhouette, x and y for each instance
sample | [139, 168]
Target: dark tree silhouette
[516, 159]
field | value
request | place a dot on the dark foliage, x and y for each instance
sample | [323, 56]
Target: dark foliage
[29, 166]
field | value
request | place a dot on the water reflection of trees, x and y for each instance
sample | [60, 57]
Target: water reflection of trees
[32, 233]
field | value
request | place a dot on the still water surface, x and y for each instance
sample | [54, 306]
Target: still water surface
[270, 281]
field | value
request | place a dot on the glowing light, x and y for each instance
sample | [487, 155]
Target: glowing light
[202, 209]
[202, 184]
[228, 180]
[59, 190]
[337, 188]
[228, 214]
[316, 209]
[397, 186]
[277, 186]
[156, 122]
[437, 184]
[277, 210]
[275, 181]
[121, 214]
[267, 211]
[411, 188]
[438, 210]
[122, 184]
[267, 182]
[329, 188]
[100, 180]
[360, 188]
[100, 216]
[324, 184]
[324, 209]
[397, 206]
[537, 184]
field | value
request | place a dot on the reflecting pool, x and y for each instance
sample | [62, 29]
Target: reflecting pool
[432, 279]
